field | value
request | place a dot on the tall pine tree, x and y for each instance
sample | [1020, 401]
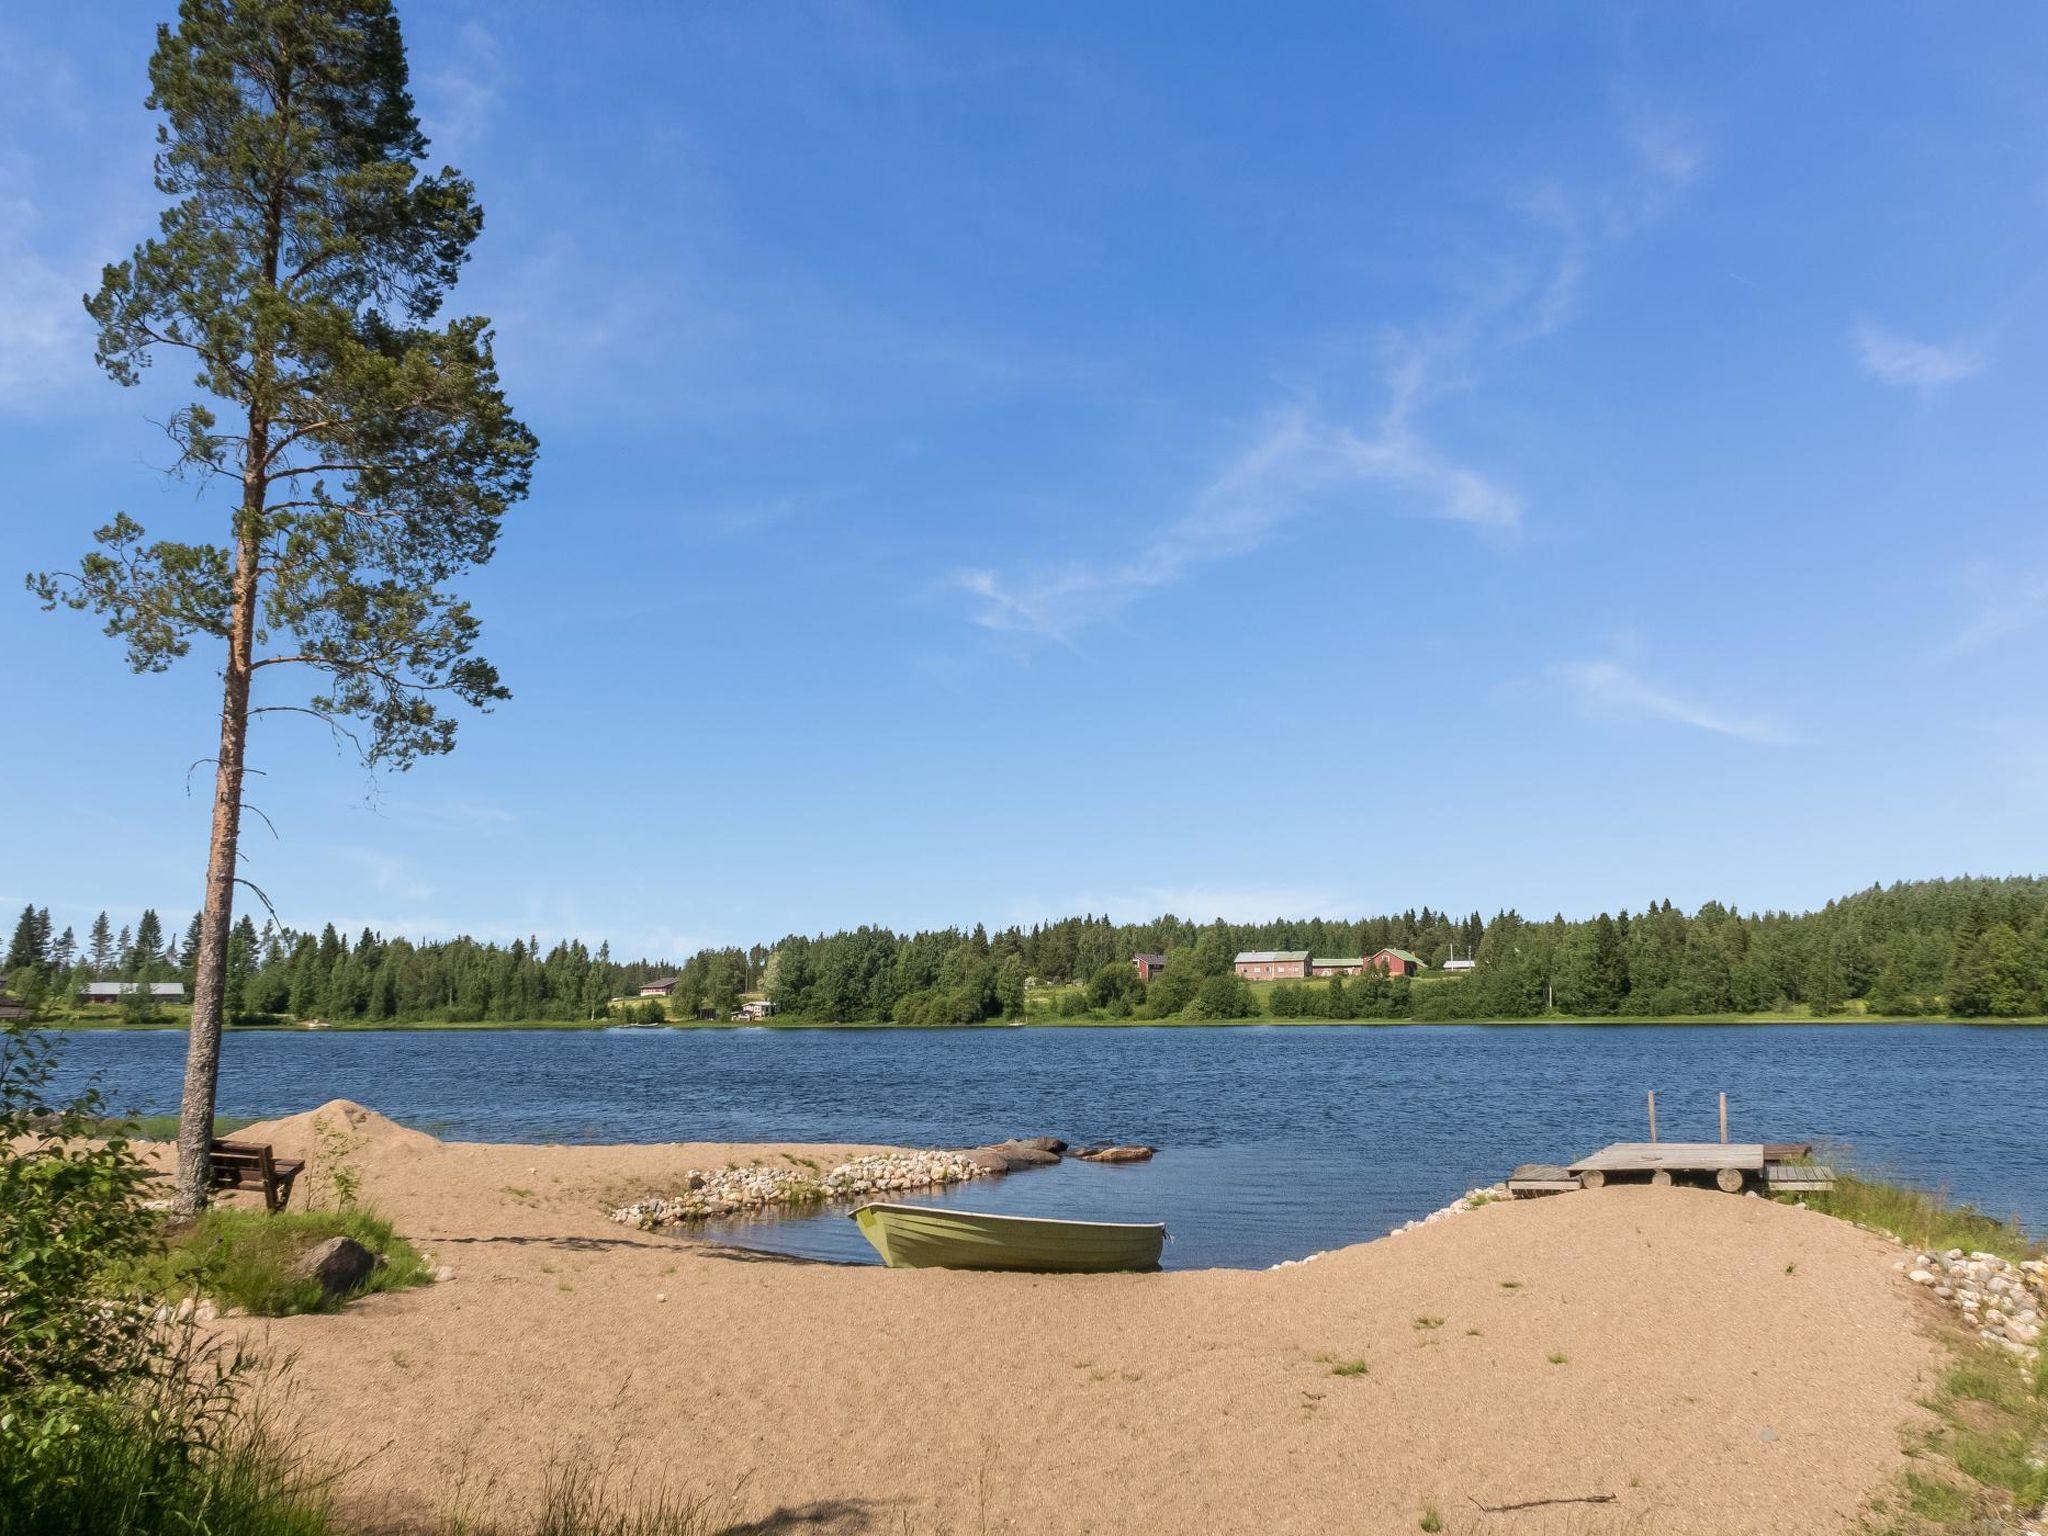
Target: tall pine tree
[368, 451]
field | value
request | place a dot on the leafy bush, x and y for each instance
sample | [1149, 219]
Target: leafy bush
[1223, 997]
[68, 1206]
[114, 1421]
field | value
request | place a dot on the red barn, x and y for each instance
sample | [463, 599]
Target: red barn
[1148, 966]
[1396, 962]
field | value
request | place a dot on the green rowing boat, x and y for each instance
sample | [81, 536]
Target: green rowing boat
[936, 1237]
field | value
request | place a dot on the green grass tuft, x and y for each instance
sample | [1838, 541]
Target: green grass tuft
[1920, 1217]
[1349, 1368]
[576, 1503]
[1431, 1520]
[243, 1258]
[1934, 1498]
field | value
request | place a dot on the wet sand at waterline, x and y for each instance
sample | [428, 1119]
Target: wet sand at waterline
[1728, 1366]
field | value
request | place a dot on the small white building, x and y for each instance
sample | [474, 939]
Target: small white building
[1459, 965]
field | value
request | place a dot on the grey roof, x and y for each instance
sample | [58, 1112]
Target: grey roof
[120, 988]
[1268, 956]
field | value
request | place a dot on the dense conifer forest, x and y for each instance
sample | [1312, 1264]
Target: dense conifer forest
[1966, 948]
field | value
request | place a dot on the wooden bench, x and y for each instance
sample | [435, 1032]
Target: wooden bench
[248, 1165]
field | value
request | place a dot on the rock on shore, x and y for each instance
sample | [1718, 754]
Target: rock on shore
[2001, 1299]
[1471, 1200]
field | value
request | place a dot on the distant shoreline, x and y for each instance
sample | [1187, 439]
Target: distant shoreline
[578, 1026]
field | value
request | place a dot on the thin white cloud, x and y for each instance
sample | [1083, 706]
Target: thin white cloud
[45, 337]
[390, 874]
[1301, 462]
[1892, 358]
[1609, 690]
[1668, 159]
[459, 100]
[2006, 602]
[1298, 462]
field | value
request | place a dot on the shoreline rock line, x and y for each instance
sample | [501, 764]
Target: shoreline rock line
[733, 1191]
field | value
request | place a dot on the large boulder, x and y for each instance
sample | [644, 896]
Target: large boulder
[1117, 1155]
[988, 1159]
[339, 1264]
[1040, 1143]
[1018, 1155]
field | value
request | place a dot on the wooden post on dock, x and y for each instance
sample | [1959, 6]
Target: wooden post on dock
[1653, 1117]
[1724, 1119]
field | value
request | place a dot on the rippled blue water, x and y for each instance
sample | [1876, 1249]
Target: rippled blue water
[1274, 1142]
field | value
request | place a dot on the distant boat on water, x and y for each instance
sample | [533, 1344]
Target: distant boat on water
[935, 1237]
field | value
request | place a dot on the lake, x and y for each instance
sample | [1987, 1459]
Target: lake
[1275, 1142]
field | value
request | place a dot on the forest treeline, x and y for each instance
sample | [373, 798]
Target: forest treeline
[1971, 948]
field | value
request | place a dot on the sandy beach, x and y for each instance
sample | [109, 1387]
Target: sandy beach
[1720, 1366]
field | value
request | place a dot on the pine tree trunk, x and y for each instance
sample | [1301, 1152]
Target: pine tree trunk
[216, 917]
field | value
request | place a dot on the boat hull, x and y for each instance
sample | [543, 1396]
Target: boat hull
[936, 1237]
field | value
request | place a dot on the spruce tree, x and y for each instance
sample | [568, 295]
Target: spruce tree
[25, 949]
[146, 955]
[100, 948]
[367, 451]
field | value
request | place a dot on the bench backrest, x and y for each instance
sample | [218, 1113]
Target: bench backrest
[241, 1157]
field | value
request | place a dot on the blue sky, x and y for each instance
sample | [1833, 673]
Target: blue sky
[1003, 462]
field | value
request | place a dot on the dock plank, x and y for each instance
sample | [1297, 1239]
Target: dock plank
[1677, 1156]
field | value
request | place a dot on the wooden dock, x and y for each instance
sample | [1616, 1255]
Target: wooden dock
[1777, 1167]
[1733, 1166]
[1730, 1163]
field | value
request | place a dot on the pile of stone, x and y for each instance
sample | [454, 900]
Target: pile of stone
[884, 1172]
[1471, 1200]
[2002, 1300]
[731, 1191]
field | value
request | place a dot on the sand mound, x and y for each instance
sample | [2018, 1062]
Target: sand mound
[370, 1134]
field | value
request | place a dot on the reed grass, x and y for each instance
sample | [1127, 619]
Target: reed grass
[1927, 1219]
